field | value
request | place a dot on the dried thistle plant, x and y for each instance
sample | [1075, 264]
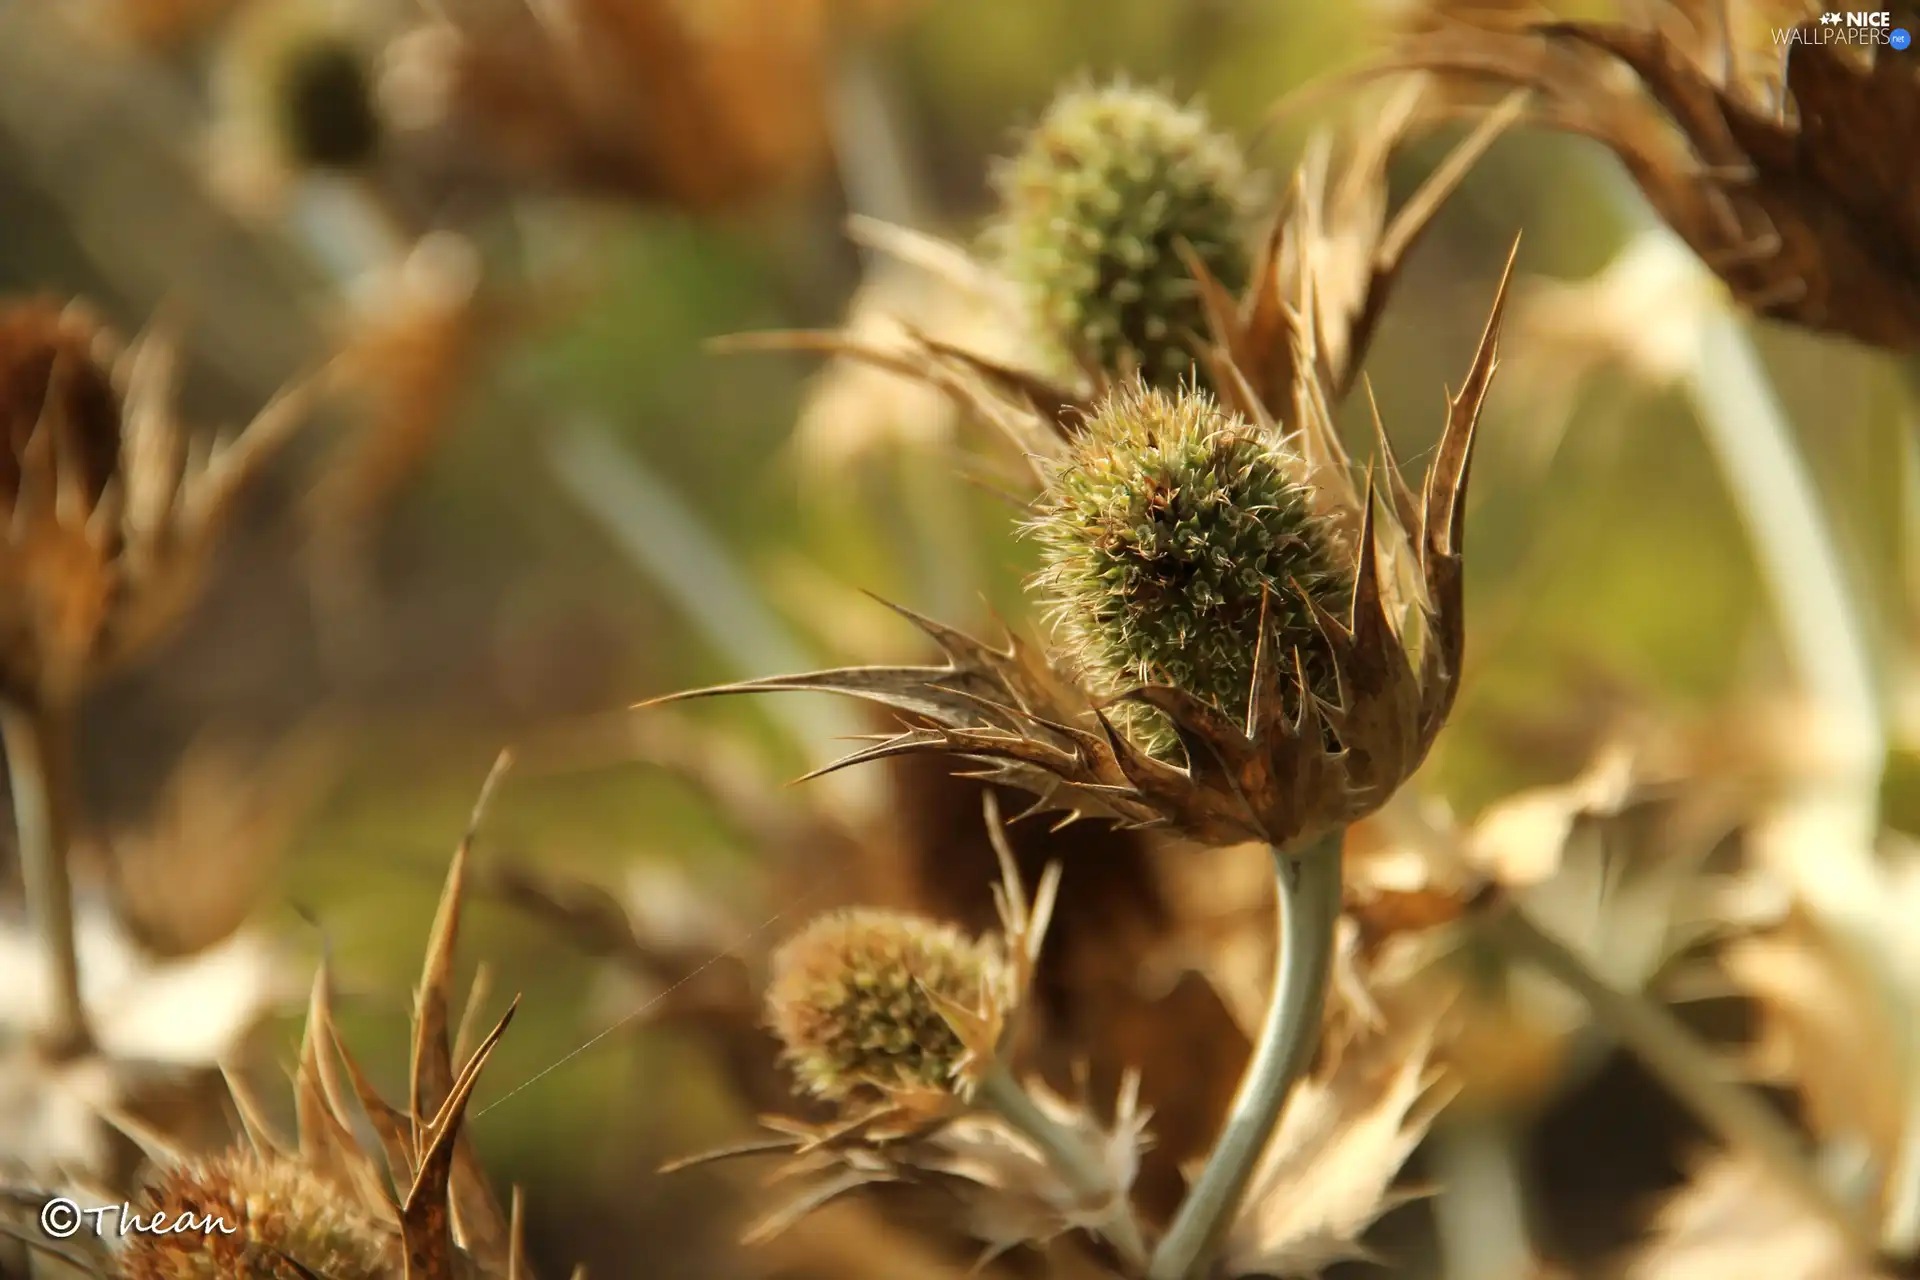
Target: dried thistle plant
[1772, 163]
[908, 1025]
[1267, 751]
[113, 514]
[323, 1204]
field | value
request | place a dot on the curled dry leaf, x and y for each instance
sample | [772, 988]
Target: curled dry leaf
[1007, 1194]
[1731, 1221]
[1832, 983]
[918, 291]
[1328, 1170]
[1788, 189]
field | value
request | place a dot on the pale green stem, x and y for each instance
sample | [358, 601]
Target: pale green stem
[1825, 637]
[1794, 548]
[1681, 1063]
[1308, 890]
[40, 766]
[1902, 1233]
[667, 540]
[1481, 1213]
[1080, 1168]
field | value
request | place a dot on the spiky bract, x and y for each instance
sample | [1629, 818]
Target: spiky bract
[1166, 529]
[1093, 207]
[855, 1000]
[278, 1220]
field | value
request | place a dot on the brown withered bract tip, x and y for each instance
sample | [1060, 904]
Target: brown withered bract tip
[1797, 194]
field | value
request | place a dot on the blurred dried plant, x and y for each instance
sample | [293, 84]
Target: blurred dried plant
[113, 508]
[1774, 161]
[222, 825]
[701, 106]
[294, 93]
[113, 512]
[324, 1204]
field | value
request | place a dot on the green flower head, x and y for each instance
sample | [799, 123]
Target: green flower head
[1092, 209]
[853, 1000]
[276, 1220]
[1162, 531]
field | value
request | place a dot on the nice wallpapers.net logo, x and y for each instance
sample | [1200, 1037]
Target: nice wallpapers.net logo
[1861, 28]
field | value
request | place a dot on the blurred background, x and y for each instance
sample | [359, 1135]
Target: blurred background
[545, 499]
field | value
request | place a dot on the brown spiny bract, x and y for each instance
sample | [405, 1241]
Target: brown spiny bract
[1780, 158]
[856, 1000]
[273, 1219]
[109, 513]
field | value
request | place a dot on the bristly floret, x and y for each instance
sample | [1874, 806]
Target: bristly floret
[856, 1000]
[1163, 530]
[1093, 207]
[277, 1220]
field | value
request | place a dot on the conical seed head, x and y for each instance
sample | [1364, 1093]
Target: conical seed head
[1093, 208]
[277, 1220]
[853, 1000]
[1162, 532]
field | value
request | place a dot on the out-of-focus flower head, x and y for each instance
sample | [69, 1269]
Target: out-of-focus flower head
[1101, 208]
[112, 509]
[698, 105]
[294, 93]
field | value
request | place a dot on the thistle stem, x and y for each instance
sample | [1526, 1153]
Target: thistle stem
[40, 766]
[1482, 1218]
[1308, 892]
[1680, 1062]
[1000, 1093]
